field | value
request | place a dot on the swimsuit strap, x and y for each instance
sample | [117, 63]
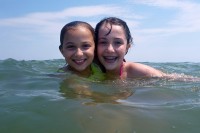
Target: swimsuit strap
[97, 74]
[121, 68]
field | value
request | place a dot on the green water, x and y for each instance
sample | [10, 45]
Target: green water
[36, 99]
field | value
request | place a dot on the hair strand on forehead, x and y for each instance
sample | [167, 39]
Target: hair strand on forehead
[114, 21]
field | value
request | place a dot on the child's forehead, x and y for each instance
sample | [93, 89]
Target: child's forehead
[77, 29]
[106, 25]
[110, 27]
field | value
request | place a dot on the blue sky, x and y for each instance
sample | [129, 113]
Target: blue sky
[162, 30]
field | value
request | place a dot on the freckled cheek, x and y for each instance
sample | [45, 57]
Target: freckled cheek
[89, 53]
[100, 49]
[68, 54]
[121, 51]
[99, 52]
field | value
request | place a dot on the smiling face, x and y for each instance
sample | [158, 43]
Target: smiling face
[111, 46]
[78, 48]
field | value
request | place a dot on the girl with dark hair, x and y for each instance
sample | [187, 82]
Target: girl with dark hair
[113, 40]
[77, 47]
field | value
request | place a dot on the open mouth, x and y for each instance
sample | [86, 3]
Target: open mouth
[80, 61]
[110, 59]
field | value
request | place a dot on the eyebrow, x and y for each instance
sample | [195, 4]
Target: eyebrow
[114, 38]
[68, 43]
[102, 38]
[118, 38]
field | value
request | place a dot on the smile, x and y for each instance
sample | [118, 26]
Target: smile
[79, 62]
[110, 59]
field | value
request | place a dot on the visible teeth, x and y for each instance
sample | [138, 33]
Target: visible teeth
[79, 61]
[110, 58]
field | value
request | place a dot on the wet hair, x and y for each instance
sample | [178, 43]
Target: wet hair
[113, 21]
[73, 25]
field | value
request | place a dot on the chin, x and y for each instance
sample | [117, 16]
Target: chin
[80, 69]
[110, 68]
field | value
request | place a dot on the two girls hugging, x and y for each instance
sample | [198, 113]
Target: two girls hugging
[99, 53]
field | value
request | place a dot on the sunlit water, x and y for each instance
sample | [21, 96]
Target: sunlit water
[34, 98]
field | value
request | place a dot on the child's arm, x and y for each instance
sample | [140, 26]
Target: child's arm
[141, 70]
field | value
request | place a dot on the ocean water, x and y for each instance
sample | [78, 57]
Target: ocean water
[34, 98]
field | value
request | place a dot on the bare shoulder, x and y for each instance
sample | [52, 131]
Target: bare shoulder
[141, 70]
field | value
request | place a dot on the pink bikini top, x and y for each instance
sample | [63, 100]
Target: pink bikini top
[121, 68]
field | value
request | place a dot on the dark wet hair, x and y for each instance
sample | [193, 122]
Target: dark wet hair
[113, 21]
[73, 25]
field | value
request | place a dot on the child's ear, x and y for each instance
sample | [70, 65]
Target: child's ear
[61, 50]
[127, 48]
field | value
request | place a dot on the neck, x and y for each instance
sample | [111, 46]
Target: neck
[85, 73]
[115, 73]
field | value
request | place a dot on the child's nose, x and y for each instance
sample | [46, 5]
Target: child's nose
[79, 52]
[110, 48]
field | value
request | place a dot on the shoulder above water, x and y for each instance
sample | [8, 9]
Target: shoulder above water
[136, 70]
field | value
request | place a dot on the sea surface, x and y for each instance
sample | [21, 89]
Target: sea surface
[35, 98]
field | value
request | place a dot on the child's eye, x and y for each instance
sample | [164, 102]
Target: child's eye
[103, 42]
[70, 47]
[86, 46]
[118, 42]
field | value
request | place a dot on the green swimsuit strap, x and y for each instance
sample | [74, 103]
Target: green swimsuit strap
[96, 72]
